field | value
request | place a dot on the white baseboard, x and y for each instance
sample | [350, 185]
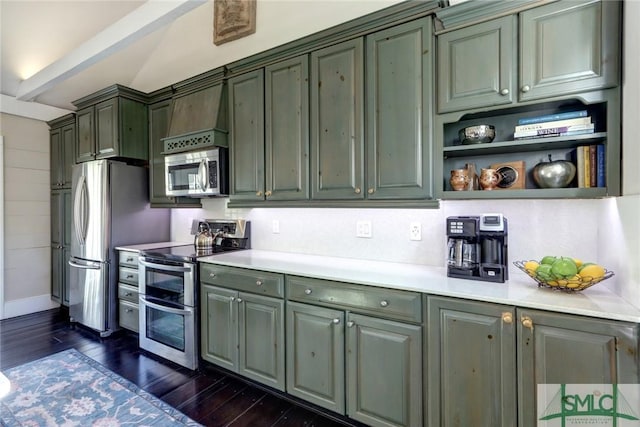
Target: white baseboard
[28, 305]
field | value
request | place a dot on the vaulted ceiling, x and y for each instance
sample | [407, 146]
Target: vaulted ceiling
[55, 52]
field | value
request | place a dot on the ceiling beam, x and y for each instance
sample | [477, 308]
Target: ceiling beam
[149, 17]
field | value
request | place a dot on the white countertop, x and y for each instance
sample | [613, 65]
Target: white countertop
[520, 290]
[146, 246]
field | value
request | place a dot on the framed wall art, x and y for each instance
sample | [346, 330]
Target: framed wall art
[233, 19]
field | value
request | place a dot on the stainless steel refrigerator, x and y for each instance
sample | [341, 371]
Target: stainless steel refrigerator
[110, 208]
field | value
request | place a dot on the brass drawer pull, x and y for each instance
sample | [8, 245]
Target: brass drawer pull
[384, 303]
[307, 291]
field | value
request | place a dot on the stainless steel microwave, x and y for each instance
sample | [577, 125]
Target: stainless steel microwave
[197, 174]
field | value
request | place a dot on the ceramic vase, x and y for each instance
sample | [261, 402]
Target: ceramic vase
[459, 179]
[489, 179]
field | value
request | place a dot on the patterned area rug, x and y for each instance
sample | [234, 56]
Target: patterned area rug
[70, 389]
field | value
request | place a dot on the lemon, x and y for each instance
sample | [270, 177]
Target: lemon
[531, 266]
[592, 272]
[578, 262]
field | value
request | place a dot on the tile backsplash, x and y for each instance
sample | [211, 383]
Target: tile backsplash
[601, 230]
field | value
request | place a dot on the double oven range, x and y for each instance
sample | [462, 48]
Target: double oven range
[168, 293]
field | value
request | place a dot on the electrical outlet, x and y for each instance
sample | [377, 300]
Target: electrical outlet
[275, 226]
[415, 231]
[363, 229]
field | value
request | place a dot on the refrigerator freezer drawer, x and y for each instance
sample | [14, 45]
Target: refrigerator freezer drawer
[89, 294]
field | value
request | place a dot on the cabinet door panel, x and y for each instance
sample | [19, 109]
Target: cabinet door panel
[56, 273]
[399, 112]
[66, 275]
[261, 338]
[566, 349]
[287, 129]
[66, 218]
[315, 355]
[68, 141]
[471, 364]
[55, 138]
[476, 65]
[384, 368]
[107, 137]
[219, 327]
[57, 219]
[337, 121]
[246, 116]
[587, 58]
[85, 148]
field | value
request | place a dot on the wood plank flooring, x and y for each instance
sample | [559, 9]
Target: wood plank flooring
[210, 396]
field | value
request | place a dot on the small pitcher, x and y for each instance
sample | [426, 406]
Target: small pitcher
[489, 179]
[459, 179]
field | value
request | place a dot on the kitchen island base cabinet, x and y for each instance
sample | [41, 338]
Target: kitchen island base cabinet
[244, 333]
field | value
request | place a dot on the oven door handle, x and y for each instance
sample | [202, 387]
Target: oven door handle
[164, 308]
[164, 267]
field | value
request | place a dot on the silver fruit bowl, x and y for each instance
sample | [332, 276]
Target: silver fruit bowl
[478, 134]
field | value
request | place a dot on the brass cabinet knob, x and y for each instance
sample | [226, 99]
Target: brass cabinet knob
[357, 190]
[526, 88]
[351, 324]
[384, 303]
[335, 321]
[212, 275]
[504, 91]
[371, 191]
[527, 322]
[307, 291]
[268, 193]
[239, 300]
[507, 317]
[258, 282]
[258, 193]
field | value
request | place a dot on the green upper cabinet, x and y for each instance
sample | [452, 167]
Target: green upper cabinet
[558, 349]
[159, 115]
[588, 56]
[337, 126]
[399, 112]
[246, 133]
[62, 138]
[477, 65]
[287, 130]
[112, 123]
[482, 65]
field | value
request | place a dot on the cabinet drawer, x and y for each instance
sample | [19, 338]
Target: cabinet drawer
[257, 282]
[389, 303]
[128, 292]
[128, 275]
[128, 258]
[128, 315]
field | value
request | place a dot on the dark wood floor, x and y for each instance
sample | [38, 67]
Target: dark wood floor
[210, 396]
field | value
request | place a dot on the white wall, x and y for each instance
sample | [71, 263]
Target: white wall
[27, 253]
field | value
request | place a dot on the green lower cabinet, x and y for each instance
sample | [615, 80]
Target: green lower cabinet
[486, 361]
[315, 355]
[384, 371]
[244, 333]
[471, 375]
[558, 348]
[367, 368]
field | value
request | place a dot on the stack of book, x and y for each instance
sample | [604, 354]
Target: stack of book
[561, 124]
[590, 165]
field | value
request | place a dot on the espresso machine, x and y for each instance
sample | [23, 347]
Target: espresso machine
[477, 247]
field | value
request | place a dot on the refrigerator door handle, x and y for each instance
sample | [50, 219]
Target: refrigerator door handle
[86, 267]
[81, 209]
[164, 267]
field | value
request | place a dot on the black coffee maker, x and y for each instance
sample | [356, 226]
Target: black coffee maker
[477, 247]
